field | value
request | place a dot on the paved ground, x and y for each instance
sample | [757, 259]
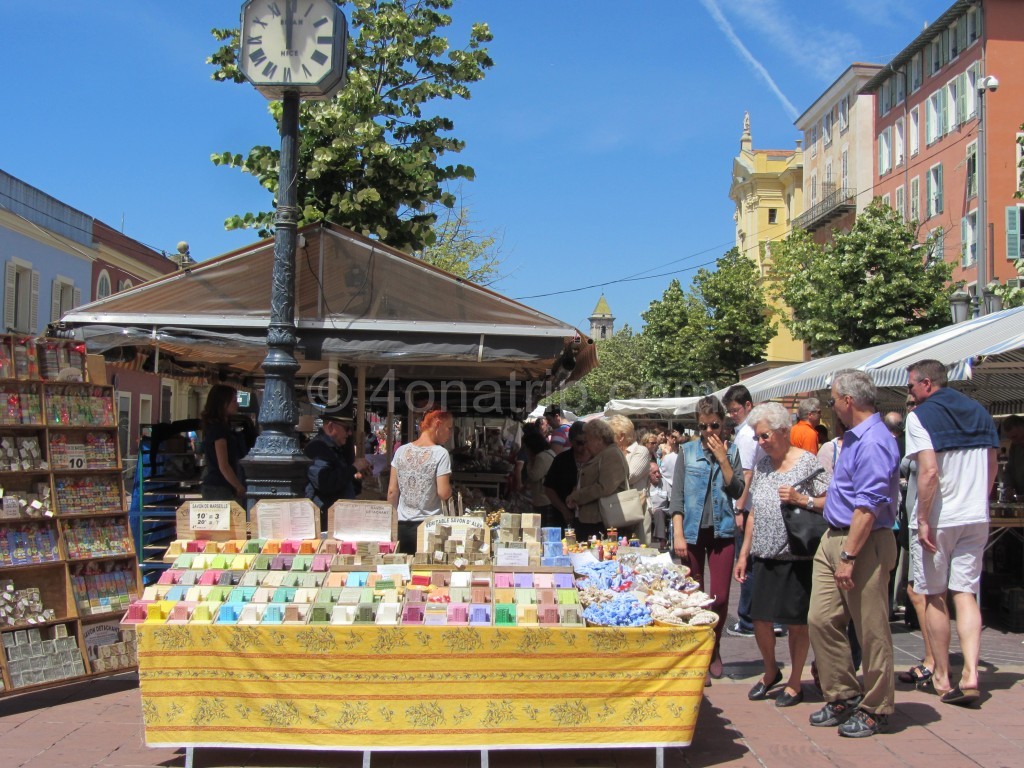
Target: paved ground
[99, 724]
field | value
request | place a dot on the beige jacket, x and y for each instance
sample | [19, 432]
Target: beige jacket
[603, 475]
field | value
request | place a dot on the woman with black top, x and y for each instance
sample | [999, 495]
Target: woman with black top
[221, 481]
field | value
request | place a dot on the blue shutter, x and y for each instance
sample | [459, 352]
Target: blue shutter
[1012, 232]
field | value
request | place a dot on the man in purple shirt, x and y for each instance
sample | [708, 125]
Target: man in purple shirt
[851, 568]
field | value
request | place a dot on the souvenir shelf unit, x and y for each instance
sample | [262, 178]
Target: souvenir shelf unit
[67, 561]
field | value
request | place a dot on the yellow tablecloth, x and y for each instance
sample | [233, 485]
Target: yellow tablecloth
[368, 687]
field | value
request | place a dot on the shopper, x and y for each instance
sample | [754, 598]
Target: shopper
[707, 479]
[561, 478]
[639, 459]
[541, 456]
[851, 568]
[604, 474]
[804, 434]
[421, 473]
[221, 449]
[782, 581]
[955, 443]
[332, 472]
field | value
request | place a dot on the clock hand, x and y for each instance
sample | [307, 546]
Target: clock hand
[288, 26]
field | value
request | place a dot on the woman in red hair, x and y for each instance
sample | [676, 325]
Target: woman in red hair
[421, 477]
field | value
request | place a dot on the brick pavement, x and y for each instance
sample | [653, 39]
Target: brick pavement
[99, 724]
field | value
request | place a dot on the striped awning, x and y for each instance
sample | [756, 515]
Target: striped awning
[984, 357]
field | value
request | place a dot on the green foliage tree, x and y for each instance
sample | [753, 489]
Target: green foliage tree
[464, 251]
[623, 372]
[701, 339]
[868, 286]
[370, 159]
[1013, 297]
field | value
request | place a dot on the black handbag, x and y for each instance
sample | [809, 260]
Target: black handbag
[803, 527]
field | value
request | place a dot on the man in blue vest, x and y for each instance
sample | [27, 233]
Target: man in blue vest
[956, 445]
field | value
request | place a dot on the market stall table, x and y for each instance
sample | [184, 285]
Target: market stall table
[1007, 519]
[365, 688]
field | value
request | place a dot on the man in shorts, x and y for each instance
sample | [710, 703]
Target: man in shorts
[956, 445]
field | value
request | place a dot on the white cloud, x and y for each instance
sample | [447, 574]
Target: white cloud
[730, 33]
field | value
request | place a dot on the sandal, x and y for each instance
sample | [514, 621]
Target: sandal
[961, 697]
[918, 675]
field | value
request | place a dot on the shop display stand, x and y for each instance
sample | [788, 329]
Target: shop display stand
[167, 475]
[65, 543]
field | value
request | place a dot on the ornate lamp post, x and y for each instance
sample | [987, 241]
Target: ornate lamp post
[289, 51]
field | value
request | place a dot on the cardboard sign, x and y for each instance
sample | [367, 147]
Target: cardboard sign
[74, 456]
[513, 557]
[286, 519]
[209, 515]
[236, 522]
[363, 521]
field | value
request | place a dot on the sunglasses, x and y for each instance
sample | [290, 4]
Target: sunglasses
[763, 437]
[705, 427]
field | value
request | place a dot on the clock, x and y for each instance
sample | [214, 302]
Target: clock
[293, 46]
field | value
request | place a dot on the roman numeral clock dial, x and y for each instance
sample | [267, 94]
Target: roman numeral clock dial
[293, 45]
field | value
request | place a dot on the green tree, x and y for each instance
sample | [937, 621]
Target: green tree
[371, 158]
[868, 286]
[623, 372]
[1013, 297]
[464, 251]
[701, 339]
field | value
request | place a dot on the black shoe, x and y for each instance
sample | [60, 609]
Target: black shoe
[784, 699]
[862, 724]
[835, 712]
[738, 631]
[760, 689]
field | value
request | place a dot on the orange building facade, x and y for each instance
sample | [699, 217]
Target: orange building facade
[926, 136]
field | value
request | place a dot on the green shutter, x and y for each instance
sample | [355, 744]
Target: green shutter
[1012, 232]
[938, 191]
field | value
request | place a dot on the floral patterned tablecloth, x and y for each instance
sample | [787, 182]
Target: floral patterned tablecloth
[368, 687]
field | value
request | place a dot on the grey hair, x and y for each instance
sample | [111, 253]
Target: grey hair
[775, 415]
[807, 406]
[602, 429]
[856, 384]
[622, 427]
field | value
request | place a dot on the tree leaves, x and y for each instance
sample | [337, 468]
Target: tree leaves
[369, 159]
[867, 286]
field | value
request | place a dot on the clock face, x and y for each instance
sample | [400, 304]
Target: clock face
[293, 45]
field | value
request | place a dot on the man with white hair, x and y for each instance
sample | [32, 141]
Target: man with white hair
[852, 565]
[804, 433]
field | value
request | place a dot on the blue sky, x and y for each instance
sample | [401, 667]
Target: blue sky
[602, 138]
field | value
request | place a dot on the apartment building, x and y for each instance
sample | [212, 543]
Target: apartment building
[929, 100]
[838, 154]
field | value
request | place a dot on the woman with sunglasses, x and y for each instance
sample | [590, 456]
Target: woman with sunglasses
[706, 481]
[782, 580]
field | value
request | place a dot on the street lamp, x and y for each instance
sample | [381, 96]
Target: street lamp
[290, 55]
[985, 84]
[993, 301]
[959, 305]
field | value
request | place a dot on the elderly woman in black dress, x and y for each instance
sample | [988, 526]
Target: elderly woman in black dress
[782, 580]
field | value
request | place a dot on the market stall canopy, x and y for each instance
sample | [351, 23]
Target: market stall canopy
[660, 406]
[358, 304]
[567, 415]
[984, 356]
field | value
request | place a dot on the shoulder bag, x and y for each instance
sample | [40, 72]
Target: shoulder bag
[804, 528]
[624, 509]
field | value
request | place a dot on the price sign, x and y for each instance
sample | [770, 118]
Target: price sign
[209, 515]
[76, 456]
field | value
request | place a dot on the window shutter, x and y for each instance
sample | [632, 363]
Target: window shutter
[1012, 232]
[33, 306]
[938, 190]
[965, 257]
[961, 98]
[944, 117]
[961, 35]
[76, 297]
[10, 296]
[55, 301]
[929, 207]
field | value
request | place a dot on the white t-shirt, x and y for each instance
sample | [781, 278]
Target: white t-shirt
[963, 480]
[749, 449]
[418, 468]
[668, 467]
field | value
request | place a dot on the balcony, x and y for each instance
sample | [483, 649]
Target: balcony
[834, 203]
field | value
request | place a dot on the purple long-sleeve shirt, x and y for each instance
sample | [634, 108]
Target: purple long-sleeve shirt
[866, 475]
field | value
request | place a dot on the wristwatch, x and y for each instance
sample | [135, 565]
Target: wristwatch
[846, 557]
[810, 503]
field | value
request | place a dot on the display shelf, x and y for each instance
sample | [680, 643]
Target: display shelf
[63, 502]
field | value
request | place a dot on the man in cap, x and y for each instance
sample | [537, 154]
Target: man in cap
[559, 437]
[332, 475]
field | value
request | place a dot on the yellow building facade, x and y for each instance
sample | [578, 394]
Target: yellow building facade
[767, 189]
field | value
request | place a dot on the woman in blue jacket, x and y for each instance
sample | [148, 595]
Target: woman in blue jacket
[707, 479]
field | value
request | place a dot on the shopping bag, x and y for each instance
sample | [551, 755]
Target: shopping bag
[622, 510]
[804, 528]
